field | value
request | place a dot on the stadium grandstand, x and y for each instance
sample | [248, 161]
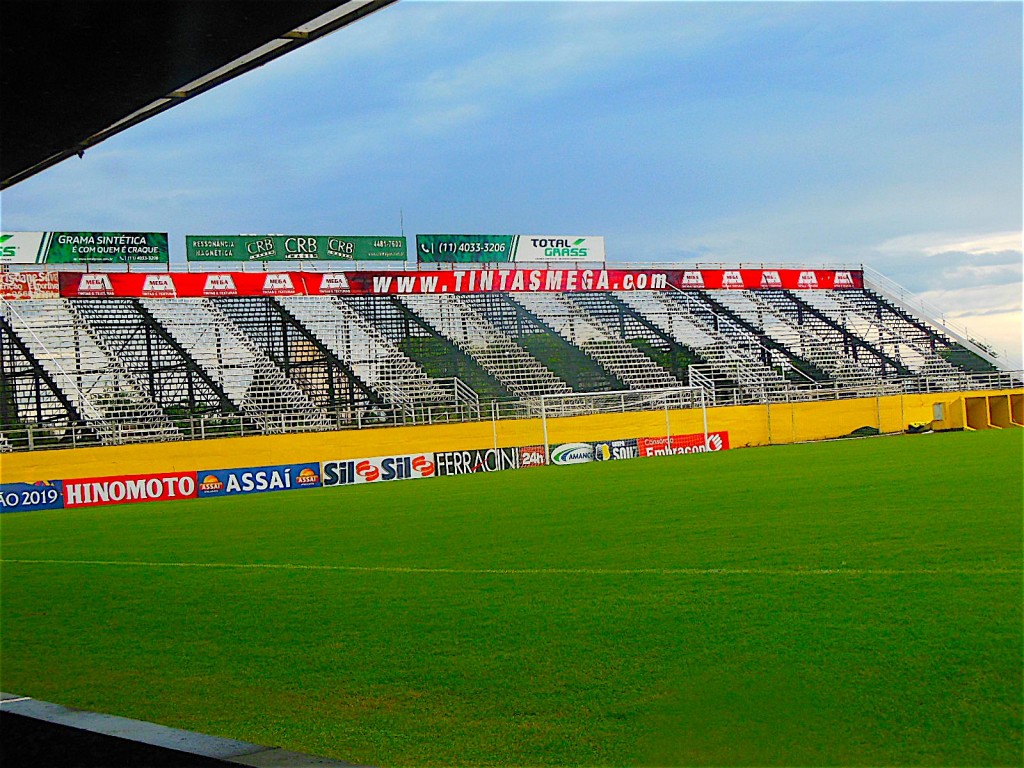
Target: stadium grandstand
[109, 354]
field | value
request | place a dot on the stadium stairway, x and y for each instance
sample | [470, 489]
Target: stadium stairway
[580, 371]
[847, 359]
[31, 402]
[90, 379]
[635, 329]
[328, 381]
[908, 342]
[437, 355]
[171, 378]
[252, 382]
[518, 371]
[590, 334]
[734, 360]
[374, 358]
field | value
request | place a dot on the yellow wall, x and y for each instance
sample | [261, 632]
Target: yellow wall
[747, 426]
[999, 411]
[977, 412]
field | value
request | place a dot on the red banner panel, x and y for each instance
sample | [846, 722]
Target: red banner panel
[656, 446]
[182, 285]
[410, 282]
[29, 285]
[533, 456]
[129, 489]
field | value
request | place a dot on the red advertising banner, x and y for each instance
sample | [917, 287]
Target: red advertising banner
[129, 489]
[29, 285]
[570, 280]
[656, 446]
[164, 285]
[410, 282]
[533, 456]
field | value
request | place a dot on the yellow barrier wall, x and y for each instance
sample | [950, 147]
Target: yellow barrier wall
[747, 426]
[1017, 409]
[955, 415]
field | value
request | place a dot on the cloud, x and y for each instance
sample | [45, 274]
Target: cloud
[936, 243]
[991, 314]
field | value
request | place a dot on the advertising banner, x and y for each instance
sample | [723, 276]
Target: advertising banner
[295, 248]
[616, 449]
[83, 248]
[572, 453]
[31, 497]
[680, 444]
[509, 248]
[128, 489]
[233, 482]
[532, 456]
[403, 282]
[29, 285]
[471, 462]
[411, 466]
[570, 280]
[169, 285]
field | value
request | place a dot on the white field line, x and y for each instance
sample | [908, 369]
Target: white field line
[545, 571]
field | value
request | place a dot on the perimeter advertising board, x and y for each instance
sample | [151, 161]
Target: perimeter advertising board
[246, 248]
[234, 482]
[682, 444]
[459, 281]
[480, 460]
[128, 489]
[412, 466]
[31, 497]
[509, 248]
[83, 248]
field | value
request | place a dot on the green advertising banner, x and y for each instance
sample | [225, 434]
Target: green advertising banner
[508, 248]
[294, 248]
[83, 248]
[465, 248]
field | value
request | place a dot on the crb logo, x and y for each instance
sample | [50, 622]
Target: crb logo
[572, 453]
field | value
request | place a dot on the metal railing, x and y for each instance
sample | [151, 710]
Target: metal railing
[212, 426]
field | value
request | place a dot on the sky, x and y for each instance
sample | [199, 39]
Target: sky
[819, 133]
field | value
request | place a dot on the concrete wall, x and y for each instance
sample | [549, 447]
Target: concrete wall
[747, 426]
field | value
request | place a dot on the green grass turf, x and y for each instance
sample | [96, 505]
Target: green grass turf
[864, 608]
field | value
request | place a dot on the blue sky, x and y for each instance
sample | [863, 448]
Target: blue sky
[887, 134]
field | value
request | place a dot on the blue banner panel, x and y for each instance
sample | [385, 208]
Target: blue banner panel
[233, 482]
[31, 497]
[616, 449]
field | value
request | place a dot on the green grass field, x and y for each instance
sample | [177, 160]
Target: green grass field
[844, 603]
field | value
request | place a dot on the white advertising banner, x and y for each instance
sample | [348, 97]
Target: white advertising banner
[22, 247]
[559, 248]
